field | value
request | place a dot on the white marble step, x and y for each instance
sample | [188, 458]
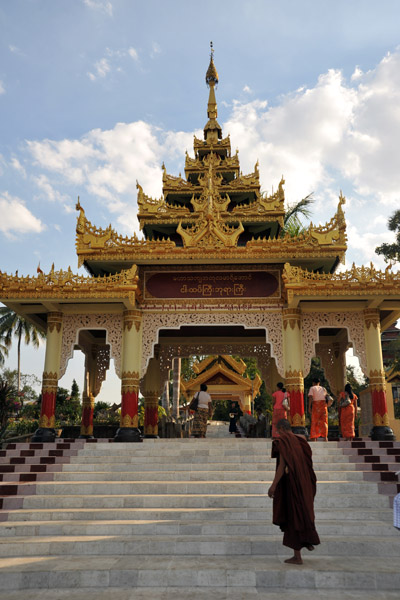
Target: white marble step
[72, 488]
[195, 593]
[196, 475]
[101, 465]
[177, 526]
[195, 460]
[249, 501]
[185, 545]
[322, 572]
[208, 515]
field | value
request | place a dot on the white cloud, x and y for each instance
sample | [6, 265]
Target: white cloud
[247, 89]
[339, 134]
[16, 218]
[111, 62]
[155, 50]
[357, 74]
[102, 67]
[2, 88]
[133, 53]
[101, 5]
[18, 167]
[107, 164]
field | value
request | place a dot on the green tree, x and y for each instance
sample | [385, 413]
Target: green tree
[75, 395]
[7, 404]
[316, 372]
[11, 325]
[28, 383]
[3, 351]
[68, 408]
[391, 252]
[357, 383]
[292, 224]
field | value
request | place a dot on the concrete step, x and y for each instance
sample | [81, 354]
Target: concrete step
[194, 593]
[321, 572]
[72, 488]
[170, 500]
[194, 545]
[264, 515]
[196, 475]
[177, 526]
[102, 465]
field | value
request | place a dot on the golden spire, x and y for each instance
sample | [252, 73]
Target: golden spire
[212, 131]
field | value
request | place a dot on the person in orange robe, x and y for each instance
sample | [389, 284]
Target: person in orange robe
[293, 490]
[347, 412]
[279, 411]
[318, 410]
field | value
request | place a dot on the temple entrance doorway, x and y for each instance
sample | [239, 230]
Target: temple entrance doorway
[224, 346]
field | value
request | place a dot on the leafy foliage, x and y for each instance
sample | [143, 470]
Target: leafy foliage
[28, 384]
[357, 383]
[292, 224]
[7, 404]
[68, 407]
[391, 252]
[11, 325]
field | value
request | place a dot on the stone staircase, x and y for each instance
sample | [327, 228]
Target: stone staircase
[186, 519]
[379, 461]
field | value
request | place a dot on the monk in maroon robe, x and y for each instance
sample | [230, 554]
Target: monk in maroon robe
[293, 491]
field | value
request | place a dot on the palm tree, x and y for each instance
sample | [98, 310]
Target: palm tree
[292, 224]
[3, 351]
[11, 323]
[7, 395]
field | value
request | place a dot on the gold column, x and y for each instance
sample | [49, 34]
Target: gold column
[247, 403]
[51, 374]
[131, 362]
[87, 395]
[339, 366]
[151, 392]
[376, 374]
[293, 363]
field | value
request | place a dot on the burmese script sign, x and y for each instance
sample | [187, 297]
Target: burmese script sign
[211, 284]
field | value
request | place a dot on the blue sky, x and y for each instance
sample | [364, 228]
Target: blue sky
[95, 94]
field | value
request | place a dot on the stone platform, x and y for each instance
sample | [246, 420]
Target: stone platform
[186, 519]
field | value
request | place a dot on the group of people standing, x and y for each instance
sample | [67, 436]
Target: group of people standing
[319, 401]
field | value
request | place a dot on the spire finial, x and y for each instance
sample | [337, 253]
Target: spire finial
[212, 129]
[211, 75]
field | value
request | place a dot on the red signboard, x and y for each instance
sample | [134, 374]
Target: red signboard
[211, 284]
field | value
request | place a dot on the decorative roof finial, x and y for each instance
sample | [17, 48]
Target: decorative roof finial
[211, 75]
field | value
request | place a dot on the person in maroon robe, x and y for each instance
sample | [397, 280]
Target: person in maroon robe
[293, 491]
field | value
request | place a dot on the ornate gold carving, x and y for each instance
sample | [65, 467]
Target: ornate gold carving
[129, 381]
[210, 232]
[377, 380]
[291, 317]
[54, 321]
[65, 284]
[128, 421]
[358, 281]
[44, 421]
[381, 420]
[298, 420]
[294, 380]
[50, 378]
[372, 317]
[132, 317]
[49, 382]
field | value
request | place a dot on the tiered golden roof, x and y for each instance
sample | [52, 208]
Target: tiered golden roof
[213, 213]
[221, 373]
